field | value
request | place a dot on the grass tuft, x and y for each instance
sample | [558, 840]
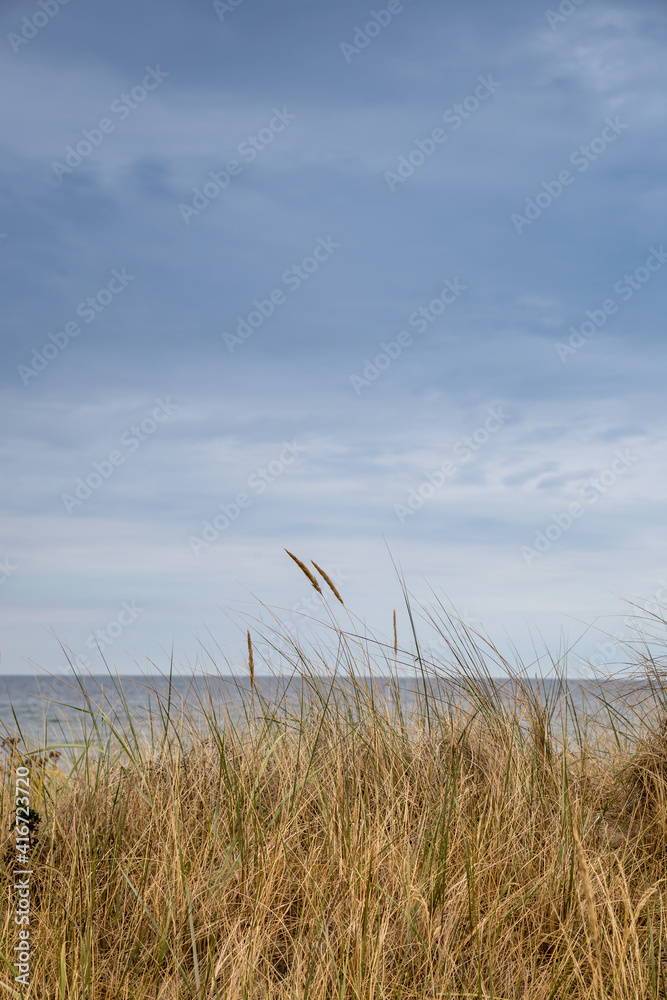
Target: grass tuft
[352, 836]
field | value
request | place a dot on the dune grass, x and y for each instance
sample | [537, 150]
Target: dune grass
[346, 842]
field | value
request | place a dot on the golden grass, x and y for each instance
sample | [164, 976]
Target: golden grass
[304, 569]
[329, 582]
[342, 847]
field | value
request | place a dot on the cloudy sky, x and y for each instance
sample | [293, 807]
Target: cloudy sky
[362, 282]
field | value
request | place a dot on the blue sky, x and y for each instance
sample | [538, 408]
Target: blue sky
[420, 311]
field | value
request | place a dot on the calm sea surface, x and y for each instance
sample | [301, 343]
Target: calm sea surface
[51, 711]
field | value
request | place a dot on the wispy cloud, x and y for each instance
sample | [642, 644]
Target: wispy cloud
[67, 397]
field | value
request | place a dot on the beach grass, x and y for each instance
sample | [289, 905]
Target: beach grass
[475, 840]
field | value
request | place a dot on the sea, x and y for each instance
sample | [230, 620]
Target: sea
[51, 712]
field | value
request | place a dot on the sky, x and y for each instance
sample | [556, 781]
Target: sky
[383, 286]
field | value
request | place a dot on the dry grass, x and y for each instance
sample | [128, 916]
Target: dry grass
[345, 848]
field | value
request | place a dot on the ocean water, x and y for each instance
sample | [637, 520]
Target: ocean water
[61, 710]
[53, 711]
